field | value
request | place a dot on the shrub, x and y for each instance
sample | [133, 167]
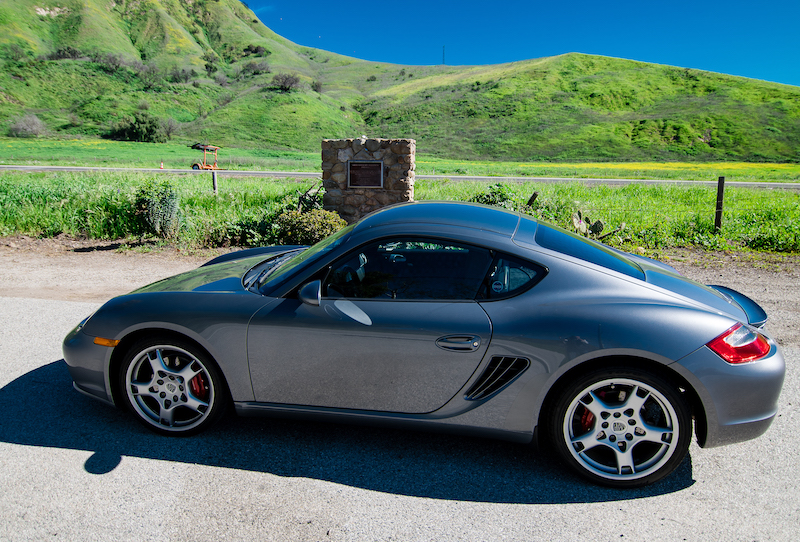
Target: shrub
[286, 81]
[170, 127]
[149, 75]
[498, 195]
[317, 86]
[27, 126]
[156, 208]
[178, 75]
[256, 68]
[109, 61]
[210, 62]
[15, 53]
[257, 50]
[296, 228]
[66, 52]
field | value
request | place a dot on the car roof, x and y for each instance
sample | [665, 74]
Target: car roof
[451, 213]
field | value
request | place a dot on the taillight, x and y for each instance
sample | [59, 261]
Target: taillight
[740, 344]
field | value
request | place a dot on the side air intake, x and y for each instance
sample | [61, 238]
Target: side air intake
[502, 370]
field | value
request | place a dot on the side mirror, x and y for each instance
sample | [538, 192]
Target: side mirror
[311, 292]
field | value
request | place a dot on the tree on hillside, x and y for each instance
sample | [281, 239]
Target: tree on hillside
[141, 127]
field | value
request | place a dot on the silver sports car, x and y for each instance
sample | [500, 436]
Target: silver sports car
[452, 317]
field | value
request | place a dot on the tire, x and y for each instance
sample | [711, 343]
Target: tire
[195, 166]
[621, 427]
[171, 387]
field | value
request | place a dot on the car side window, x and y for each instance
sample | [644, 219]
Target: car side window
[510, 276]
[410, 268]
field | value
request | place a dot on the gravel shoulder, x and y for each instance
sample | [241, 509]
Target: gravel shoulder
[75, 470]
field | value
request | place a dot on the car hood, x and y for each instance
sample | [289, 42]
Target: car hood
[219, 277]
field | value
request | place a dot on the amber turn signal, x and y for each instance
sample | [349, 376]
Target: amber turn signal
[111, 343]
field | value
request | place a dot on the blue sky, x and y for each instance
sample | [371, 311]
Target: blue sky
[757, 40]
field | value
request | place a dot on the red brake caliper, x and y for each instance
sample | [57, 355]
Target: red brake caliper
[587, 420]
[198, 386]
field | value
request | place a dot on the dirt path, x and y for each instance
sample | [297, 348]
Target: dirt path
[76, 270]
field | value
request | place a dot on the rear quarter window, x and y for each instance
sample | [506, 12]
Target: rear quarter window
[585, 249]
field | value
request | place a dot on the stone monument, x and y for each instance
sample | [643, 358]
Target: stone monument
[364, 174]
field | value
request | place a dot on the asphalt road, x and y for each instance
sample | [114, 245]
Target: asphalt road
[73, 469]
[308, 175]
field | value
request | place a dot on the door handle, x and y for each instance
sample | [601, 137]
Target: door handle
[459, 343]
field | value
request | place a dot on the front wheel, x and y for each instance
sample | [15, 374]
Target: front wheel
[621, 427]
[195, 166]
[172, 387]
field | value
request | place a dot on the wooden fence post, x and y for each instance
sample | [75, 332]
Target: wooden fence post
[214, 181]
[720, 201]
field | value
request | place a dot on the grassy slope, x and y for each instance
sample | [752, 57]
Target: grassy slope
[571, 107]
[577, 107]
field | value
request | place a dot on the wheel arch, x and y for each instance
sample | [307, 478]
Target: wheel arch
[628, 361]
[118, 355]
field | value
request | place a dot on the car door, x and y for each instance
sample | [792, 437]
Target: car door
[397, 329]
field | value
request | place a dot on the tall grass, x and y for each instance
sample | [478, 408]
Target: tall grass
[101, 205]
[654, 216]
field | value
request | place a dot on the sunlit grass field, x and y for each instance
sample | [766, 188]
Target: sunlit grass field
[109, 153]
[688, 171]
[101, 205]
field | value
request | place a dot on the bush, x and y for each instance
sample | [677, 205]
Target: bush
[157, 209]
[27, 126]
[296, 228]
[498, 195]
[16, 53]
[256, 68]
[150, 75]
[170, 127]
[257, 50]
[66, 52]
[109, 61]
[142, 127]
[178, 75]
[286, 81]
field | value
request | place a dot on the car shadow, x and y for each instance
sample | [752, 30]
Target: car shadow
[41, 408]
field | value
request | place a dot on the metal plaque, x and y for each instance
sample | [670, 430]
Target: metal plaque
[365, 174]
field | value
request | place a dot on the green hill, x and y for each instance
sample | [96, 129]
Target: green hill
[207, 67]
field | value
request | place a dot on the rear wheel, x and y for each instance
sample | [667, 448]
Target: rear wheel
[621, 427]
[172, 387]
[195, 166]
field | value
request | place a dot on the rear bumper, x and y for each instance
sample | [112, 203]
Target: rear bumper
[739, 402]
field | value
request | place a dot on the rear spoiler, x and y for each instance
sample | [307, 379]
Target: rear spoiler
[756, 316]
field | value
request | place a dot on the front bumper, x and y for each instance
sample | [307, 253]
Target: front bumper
[88, 364]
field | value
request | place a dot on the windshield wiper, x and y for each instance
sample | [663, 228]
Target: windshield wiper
[272, 264]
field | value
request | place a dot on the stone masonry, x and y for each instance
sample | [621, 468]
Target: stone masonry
[397, 155]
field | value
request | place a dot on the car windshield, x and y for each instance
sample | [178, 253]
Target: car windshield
[278, 273]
